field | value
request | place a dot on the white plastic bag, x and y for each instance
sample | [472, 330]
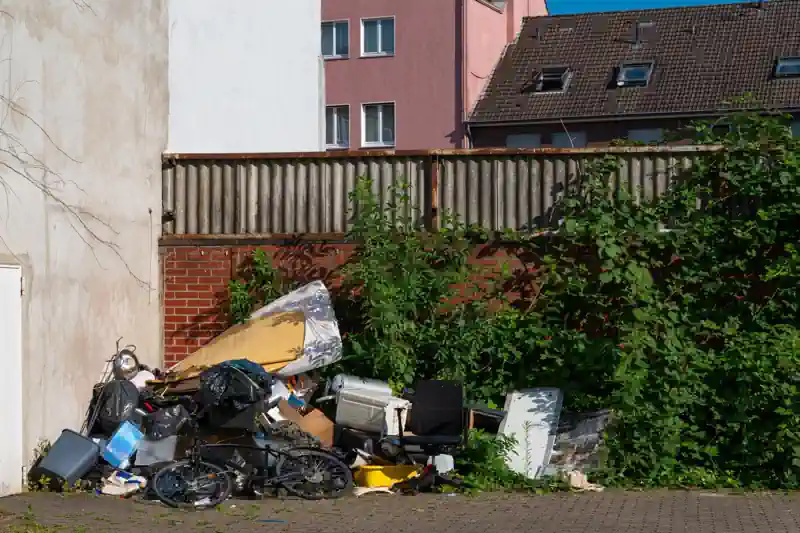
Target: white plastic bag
[323, 343]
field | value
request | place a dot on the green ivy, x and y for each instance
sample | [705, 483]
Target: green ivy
[679, 314]
[260, 283]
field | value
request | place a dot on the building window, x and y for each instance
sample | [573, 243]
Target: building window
[646, 135]
[337, 126]
[634, 74]
[378, 124]
[524, 140]
[795, 127]
[335, 39]
[552, 79]
[573, 139]
[787, 67]
[377, 37]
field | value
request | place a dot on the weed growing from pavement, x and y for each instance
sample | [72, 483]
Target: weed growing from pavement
[44, 483]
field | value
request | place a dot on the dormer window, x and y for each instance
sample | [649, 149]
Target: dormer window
[787, 67]
[552, 79]
[634, 74]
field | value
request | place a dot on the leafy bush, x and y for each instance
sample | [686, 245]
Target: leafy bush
[482, 465]
[259, 284]
[398, 284]
[679, 314]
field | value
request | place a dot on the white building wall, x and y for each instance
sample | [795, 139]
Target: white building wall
[245, 76]
[83, 123]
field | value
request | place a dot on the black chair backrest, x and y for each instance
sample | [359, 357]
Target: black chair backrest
[437, 408]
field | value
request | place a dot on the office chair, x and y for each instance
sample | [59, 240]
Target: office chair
[438, 424]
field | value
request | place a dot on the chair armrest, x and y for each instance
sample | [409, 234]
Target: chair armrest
[399, 411]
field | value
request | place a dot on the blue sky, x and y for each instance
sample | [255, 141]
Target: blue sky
[563, 7]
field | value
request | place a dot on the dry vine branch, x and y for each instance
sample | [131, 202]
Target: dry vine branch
[83, 5]
[17, 160]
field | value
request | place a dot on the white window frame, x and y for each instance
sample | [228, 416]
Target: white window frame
[346, 22]
[349, 122]
[380, 39]
[379, 144]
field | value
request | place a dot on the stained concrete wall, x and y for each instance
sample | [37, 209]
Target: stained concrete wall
[245, 76]
[83, 123]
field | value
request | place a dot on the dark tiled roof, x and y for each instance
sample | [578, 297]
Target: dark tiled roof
[703, 57]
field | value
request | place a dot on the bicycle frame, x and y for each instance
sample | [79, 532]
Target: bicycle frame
[198, 446]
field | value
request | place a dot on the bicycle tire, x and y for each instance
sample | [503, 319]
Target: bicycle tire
[333, 467]
[217, 472]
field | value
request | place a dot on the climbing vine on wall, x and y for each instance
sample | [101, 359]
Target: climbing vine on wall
[680, 314]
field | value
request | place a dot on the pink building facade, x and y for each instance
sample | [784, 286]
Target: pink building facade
[405, 74]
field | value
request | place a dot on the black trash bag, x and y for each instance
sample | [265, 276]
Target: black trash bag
[165, 422]
[230, 385]
[116, 401]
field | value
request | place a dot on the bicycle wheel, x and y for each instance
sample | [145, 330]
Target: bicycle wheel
[313, 474]
[193, 484]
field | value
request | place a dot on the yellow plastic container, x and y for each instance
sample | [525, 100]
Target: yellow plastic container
[384, 476]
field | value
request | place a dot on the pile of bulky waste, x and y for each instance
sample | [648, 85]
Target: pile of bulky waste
[249, 414]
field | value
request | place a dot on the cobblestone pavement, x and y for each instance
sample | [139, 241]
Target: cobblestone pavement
[611, 511]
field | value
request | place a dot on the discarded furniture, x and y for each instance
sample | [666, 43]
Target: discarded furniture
[438, 423]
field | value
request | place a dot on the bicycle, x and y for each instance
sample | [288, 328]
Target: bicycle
[195, 482]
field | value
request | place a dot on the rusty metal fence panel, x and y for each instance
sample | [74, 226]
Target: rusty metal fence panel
[310, 193]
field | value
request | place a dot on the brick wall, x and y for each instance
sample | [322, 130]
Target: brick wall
[194, 281]
[196, 277]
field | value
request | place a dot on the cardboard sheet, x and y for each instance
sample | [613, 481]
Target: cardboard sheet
[314, 422]
[271, 341]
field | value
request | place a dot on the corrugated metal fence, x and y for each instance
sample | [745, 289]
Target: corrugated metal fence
[241, 194]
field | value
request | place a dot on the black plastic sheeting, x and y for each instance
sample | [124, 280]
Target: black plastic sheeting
[233, 384]
[166, 422]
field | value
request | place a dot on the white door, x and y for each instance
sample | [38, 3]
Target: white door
[11, 452]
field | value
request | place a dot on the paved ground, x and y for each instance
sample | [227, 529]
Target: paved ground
[617, 512]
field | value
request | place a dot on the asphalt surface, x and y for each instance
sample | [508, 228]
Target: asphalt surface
[610, 511]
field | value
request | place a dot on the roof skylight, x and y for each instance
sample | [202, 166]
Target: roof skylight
[552, 79]
[634, 74]
[787, 67]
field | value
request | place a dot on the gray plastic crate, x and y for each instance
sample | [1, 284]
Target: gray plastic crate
[70, 458]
